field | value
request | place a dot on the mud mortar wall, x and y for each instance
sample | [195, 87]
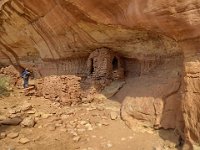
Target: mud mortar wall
[104, 63]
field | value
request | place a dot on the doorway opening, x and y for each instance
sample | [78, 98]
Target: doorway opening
[115, 63]
[91, 66]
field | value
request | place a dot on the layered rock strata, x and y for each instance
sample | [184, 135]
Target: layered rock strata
[37, 33]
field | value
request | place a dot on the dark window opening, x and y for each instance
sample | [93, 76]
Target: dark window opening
[115, 63]
[91, 66]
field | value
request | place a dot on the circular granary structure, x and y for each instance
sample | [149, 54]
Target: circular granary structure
[104, 63]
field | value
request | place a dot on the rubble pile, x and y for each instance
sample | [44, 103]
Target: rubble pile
[12, 74]
[65, 89]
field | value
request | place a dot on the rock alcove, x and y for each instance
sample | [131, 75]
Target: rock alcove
[158, 41]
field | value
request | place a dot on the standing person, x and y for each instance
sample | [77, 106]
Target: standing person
[25, 75]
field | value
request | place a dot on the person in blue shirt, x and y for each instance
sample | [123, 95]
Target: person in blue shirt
[25, 75]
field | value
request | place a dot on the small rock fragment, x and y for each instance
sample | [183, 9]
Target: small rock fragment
[76, 139]
[26, 106]
[28, 122]
[12, 111]
[70, 112]
[64, 117]
[58, 125]
[11, 148]
[37, 115]
[13, 135]
[94, 136]
[73, 133]
[2, 135]
[24, 140]
[99, 125]
[31, 111]
[45, 116]
[130, 137]
[109, 145]
[123, 139]
[83, 122]
[40, 127]
[113, 115]
[89, 127]
[169, 144]
[91, 108]
[13, 121]
[105, 123]
[103, 117]
[157, 148]
[81, 130]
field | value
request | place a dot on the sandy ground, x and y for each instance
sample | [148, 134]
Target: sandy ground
[85, 127]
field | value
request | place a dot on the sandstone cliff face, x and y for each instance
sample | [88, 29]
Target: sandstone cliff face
[47, 34]
[154, 97]
[63, 29]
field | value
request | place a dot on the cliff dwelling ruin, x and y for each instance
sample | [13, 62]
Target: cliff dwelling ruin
[103, 74]
[104, 63]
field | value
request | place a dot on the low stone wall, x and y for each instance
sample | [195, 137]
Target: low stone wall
[66, 89]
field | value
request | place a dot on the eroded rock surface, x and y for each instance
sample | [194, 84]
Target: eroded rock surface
[34, 35]
[154, 97]
[191, 99]
[56, 37]
[33, 31]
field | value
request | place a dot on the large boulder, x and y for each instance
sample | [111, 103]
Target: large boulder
[153, 98]
[191, 103]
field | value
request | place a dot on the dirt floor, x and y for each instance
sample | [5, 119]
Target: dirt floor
[85, 127]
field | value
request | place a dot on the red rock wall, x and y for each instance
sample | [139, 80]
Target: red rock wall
[76, 66]
[65, 29]
[191, 103]
[58, 29]
[155, 97]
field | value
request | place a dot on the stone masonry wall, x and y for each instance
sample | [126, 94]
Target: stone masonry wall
[100, 64]
[65, 89]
